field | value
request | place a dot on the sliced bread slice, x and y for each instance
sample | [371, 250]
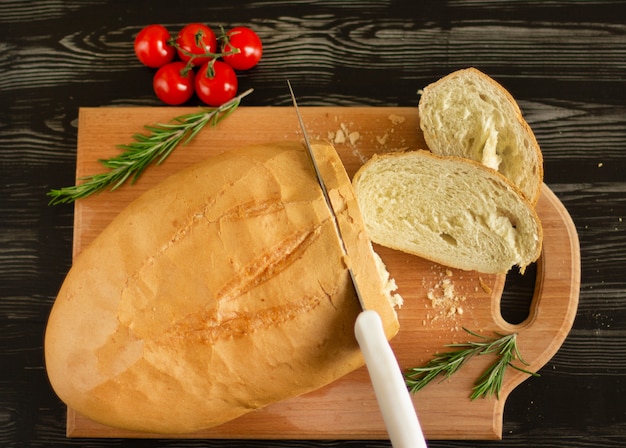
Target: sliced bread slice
[449, 210]
[468, 114]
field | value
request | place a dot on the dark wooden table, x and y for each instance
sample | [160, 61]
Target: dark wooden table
[565, 62]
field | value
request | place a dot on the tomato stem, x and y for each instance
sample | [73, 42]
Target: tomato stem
[192, 56]
[210, 72]
[210, 69]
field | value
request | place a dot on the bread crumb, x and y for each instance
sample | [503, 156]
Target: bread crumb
[340, 137]
[484, 286]
[396, 119]
[344, 135]
[387, 141]
[445, 301]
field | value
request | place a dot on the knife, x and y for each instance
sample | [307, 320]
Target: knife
[387, 380]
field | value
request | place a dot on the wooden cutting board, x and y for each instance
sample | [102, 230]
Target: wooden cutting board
[347, 409]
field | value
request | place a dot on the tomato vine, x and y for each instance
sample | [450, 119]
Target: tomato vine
[196, 60]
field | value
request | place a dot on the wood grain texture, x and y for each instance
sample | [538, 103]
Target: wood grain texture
[338, 411]
[563, 60]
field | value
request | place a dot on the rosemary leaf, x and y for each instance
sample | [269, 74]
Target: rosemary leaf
[144, 151]
[447, 363]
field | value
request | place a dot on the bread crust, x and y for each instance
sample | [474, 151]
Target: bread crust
[217, 292]
[523, 165]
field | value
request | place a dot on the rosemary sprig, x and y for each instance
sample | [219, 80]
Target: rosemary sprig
[146, 149]
[447, 363]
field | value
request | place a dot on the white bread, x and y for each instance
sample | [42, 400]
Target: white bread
[468, 114]
[449, 210]
[217, 292]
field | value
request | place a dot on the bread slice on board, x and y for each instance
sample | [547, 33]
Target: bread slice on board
[217, 292]
[468, 114]
[449, 210]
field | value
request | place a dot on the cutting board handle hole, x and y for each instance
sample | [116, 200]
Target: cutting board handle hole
[516, 300]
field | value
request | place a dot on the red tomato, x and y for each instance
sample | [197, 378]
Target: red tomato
[217, 89]
[152, 48]
[249, 45]
[196, 39]
[172, 85]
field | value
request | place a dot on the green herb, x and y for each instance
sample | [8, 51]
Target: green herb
[447, 363]
[145, 150]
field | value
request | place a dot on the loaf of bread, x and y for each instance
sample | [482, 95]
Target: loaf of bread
[449, 210]
[468, 114]
[217, 292]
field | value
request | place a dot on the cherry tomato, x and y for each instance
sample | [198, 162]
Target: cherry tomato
[249, 44]
[152, 48]
[196, 39]
[217, 89]
[173, 84]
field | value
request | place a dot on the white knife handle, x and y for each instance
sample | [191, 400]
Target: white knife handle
[391, 391]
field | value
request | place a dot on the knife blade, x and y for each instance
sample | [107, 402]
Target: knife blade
[391, 392]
